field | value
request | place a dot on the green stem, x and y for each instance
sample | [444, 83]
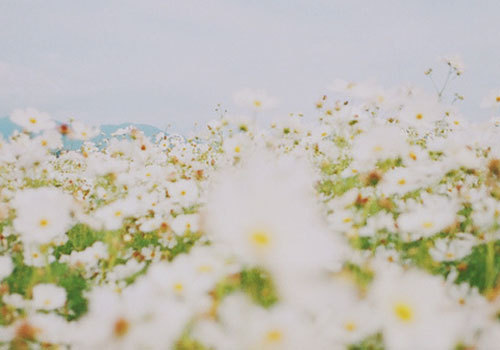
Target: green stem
[490, 268]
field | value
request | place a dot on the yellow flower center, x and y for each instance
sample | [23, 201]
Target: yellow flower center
[428, 224]
[257, 103]
[121, 327]
[346, 220]
[237, 149]
[377, 148]
[205, 268]
[183, 193]
[118, 213]
[44, 143]
[178, 287]
[402, 181]
[274, 336]
[403, 311]
[43, 222]
[350, 326]
[419, 116]
[497, 99]
[260, 238]
[33, 120]
[413, 156]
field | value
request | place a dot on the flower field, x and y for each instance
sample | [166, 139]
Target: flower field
[375, 225]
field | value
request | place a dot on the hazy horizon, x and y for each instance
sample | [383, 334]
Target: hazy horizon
[167, 62]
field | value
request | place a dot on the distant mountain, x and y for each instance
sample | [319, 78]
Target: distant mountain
[7, 127]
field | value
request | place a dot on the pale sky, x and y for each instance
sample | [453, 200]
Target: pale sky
[165, 61]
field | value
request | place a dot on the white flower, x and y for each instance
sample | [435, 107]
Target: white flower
[379, 221]
[48, 296]
[236, 145]
[183, 223]
[379, 143]
[6, 266]
[449, 249]
[15, 300]
[32, 120]
[49, 139]
[89, 257]
[51, 328]
[421, 112]
[111, 216]
[32, 256]
[455, 62]
[80, 131]
[125, 270]
[415, 311]
[366, 90]
[256, 99]
[421, 220]
[345, 319]
[243, 325]
[491, 100]
[265, 214]
[42, 214]
[184, 192]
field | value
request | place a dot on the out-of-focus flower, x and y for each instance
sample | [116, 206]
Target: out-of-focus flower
[6, 266]
[42, 214]
[455, 62]
[48, 296]
[421, 111]
[491, 100]
[32, 120]
[420, 220]
[80, 131]
[379, 143]
[265, 214]
[414, 310]
[254, 99]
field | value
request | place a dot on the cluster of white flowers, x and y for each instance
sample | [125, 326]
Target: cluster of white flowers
[376, 226]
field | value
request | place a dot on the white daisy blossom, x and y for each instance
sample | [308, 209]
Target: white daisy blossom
[42, 214]
[257, 210]
[421, 220]
[32, 120]
[455, 62]
[6, 266]
[491, 100]
[111, 216]
[377, 144]
[80, 131]
[183, 223]
[452, 249]
[48, 296]
[255, 99]
[415, 310]
[184, 192]
[421, 112]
